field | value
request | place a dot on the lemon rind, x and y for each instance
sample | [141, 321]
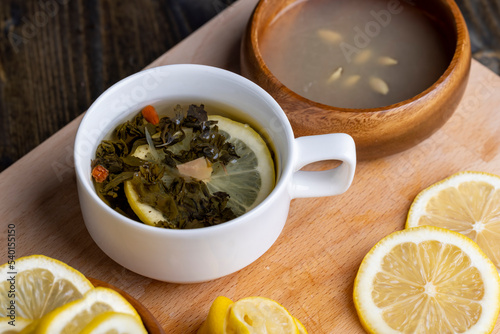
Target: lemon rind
[126, 321]
[260, 300]
[55, 321]
[417, 208]
[53, 265]
[254, 140]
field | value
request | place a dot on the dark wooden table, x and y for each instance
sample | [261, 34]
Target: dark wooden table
[58, 56]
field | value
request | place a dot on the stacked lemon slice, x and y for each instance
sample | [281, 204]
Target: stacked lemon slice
[51, 297]
[427, 280]
[466, 202]
[439, 275]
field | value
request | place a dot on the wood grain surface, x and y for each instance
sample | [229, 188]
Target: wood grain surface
[311, 267]
[58, 56]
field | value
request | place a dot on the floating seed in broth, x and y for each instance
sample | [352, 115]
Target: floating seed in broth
[390, 40]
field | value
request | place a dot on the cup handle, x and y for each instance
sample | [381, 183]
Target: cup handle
[335, 146]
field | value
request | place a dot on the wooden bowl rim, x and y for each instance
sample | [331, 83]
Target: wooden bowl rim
[461, 46]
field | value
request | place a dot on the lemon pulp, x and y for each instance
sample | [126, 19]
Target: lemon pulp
[466, 202]
[75, 316]
[114, 323]
[41, 285]
[251, 178]
[256, 315]
[251, 315]
[427, 280]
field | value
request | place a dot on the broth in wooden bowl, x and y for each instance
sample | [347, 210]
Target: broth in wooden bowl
[387, 72]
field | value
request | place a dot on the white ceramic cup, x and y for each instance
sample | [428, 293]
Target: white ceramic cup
[188, 256]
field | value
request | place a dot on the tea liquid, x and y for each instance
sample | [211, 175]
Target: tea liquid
[356, 53]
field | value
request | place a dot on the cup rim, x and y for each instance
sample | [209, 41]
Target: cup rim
[459, 28]
[283, 178]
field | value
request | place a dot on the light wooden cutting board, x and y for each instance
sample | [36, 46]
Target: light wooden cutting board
[311, 267]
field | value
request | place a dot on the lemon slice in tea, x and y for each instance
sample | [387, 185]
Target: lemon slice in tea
[248, 180]
[251, 178]
[146, 213]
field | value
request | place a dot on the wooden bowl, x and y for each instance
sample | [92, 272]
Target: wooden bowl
[378, 131]
[149, 321]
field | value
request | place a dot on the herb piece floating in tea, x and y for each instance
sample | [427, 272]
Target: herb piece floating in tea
[150, 114]
[99, 173]
[186, 171]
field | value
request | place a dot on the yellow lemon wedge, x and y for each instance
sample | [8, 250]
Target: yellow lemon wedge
[466, 202]
[254, 315]
[216, 319]
[114, 323]
[248, 180]
[75, 316]
[259, 315]
[427, 280]
[40, 285]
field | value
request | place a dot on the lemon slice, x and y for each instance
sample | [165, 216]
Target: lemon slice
[146, 213]
[466, 202]
[13, 325]
[259, 315]
[74, 316]
[114, 323]
[427, 280]
[248, 180]
[40, 285]
[215, 322]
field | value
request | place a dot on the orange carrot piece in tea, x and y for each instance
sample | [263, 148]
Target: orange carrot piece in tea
[100, 173]
[150, 114]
